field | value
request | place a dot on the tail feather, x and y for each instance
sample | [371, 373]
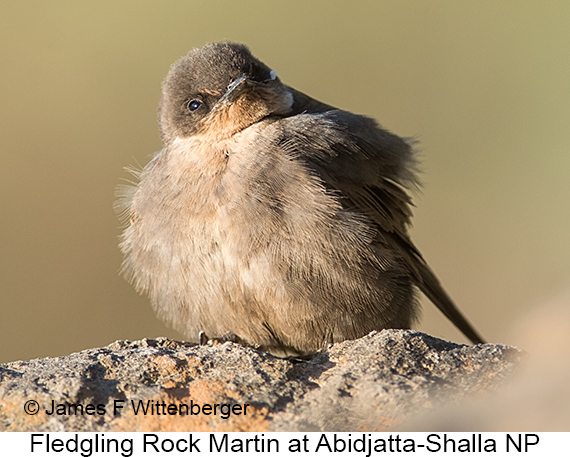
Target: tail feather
[432, 288]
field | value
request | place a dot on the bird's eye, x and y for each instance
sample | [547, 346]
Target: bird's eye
[272, 74]
[193, 105]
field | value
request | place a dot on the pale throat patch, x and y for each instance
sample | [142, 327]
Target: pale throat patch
[290, 99]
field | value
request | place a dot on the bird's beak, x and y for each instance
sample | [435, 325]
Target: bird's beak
[235, 88]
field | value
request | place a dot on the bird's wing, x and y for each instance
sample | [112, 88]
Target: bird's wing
[371, 169]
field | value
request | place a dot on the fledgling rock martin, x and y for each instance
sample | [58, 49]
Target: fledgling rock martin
[271, 218]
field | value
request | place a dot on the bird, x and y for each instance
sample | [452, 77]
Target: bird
[270, 218]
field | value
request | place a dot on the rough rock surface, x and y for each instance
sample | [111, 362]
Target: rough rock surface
[370, 384]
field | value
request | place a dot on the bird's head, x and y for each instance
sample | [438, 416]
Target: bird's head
[219, 90]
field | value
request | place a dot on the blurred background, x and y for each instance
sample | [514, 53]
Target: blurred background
[484, 86]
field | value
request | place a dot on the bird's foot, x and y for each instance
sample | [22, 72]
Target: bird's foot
[203, 339]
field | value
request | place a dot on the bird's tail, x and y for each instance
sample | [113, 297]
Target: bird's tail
[432, 288]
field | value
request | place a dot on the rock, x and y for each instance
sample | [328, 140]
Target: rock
[537, 399]
[370, 384]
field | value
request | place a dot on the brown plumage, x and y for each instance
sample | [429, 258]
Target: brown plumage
[273, 217]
